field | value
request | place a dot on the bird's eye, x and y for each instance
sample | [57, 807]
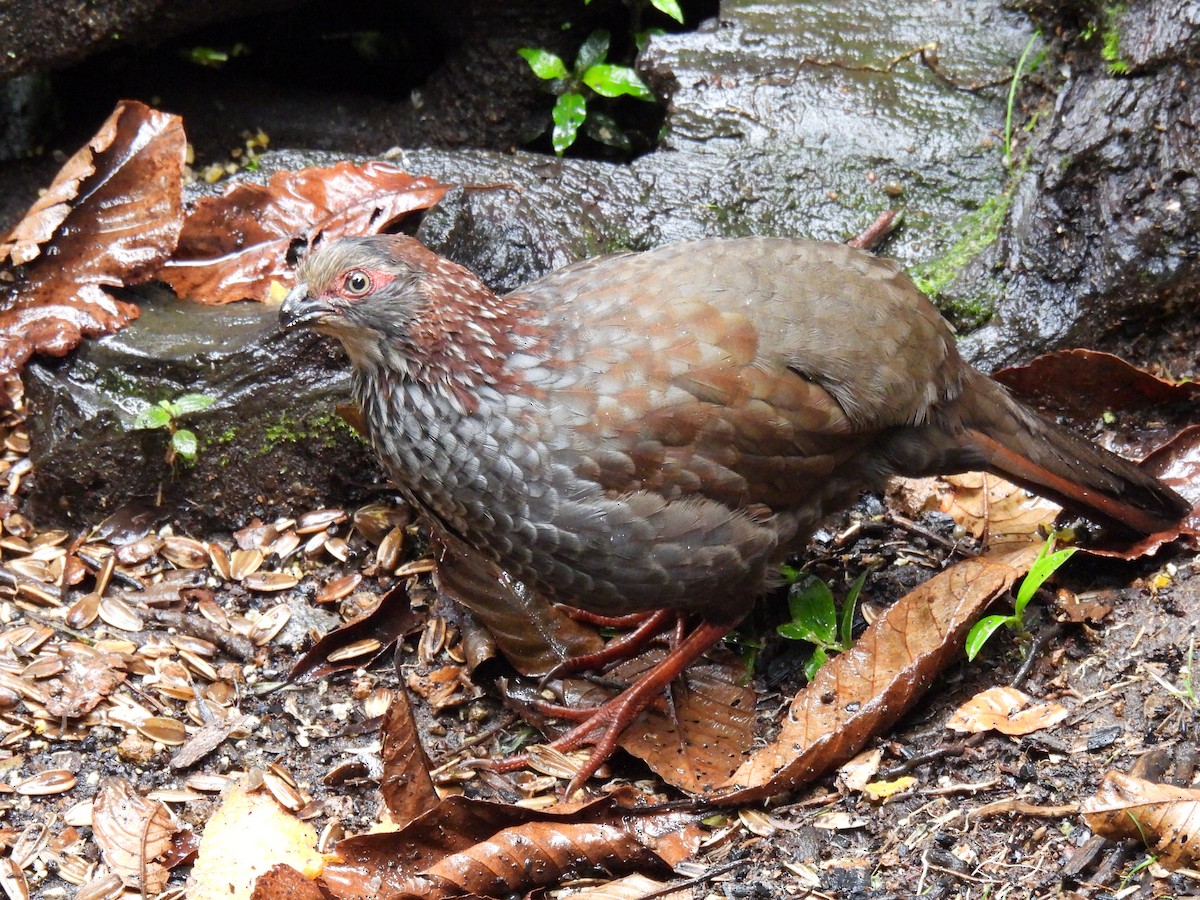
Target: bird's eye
[356, 283]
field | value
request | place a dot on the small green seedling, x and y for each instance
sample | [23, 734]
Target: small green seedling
[591, 75]
[815, 618]
[1047, 563]
[166, 414]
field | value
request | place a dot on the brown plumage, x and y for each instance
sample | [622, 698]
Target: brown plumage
[657, 430]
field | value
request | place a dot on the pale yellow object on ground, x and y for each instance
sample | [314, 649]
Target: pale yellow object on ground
[248, 835]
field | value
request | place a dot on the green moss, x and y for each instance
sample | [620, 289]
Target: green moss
[969, 235]
[325, 428]
[1110, 40]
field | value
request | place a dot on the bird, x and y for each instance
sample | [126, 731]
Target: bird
[654, 432]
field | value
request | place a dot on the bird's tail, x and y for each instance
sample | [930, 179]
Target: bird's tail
[1056, 463]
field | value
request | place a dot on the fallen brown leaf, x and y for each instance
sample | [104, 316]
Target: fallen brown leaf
[406, 785]
[87, 678]
[1165, 817]
[112, 215]
[282, 882]
[232, 247]
[471, 846]
[1007, 710]
[389, 621]
[863, 691]
[1085, 384]
[132, 833]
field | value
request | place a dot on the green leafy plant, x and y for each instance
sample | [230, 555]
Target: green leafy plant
[591, 76]
[183, 445]
[1013, 87]
[1047, 563]
[815, 618]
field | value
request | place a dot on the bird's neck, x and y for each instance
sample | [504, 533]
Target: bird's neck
[465, 338]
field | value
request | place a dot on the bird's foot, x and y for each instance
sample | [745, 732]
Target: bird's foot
[616, 650]
[604, 725]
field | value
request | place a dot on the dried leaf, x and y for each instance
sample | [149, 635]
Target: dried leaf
[90, 676]
[132, 833]
[232, 247]
[1007, 710]
[1165, 817]
[631, 887]
[865, 690]
[884, 790]
[112, 215]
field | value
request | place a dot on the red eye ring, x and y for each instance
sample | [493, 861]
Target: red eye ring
[356, 283]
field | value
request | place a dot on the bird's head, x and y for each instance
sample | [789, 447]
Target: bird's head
[365, 291]
[396, 305]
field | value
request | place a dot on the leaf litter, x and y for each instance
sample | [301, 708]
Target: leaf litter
[497, 846]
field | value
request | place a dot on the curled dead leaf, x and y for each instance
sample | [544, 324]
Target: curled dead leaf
[112, 215]
[864, 690]
[1007, 710]
[233, 247]
[1164, 816]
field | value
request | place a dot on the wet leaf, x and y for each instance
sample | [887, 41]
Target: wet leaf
[1007, 710]
[110, 217]
[1165, 817]
[569, 111]
[863, 691]
[389, 621]
[132, 833]
[609, 80]
[282, 882]
[233, 247]
[1086, 384]
[465, 846]
[406, 785]
[544, 64]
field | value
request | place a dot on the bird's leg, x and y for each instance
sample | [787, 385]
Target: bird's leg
[632, 620]
[611, 719]
[617, 649]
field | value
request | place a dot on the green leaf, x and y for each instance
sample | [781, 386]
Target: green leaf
[811, 605]
[185, 444]
[981, 631]
[190, 403]
[846, 626]
[152, 417]
[608, 80]
[544, 63]
[593, 51]
[642, 38]
[670, 7]
[794, 632]
[604, 128]
[569, 112]
[819, 658]
[1046, 564]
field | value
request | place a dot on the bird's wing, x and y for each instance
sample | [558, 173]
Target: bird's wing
[745, 371]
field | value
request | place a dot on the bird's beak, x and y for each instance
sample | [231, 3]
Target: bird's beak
[300, 309]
